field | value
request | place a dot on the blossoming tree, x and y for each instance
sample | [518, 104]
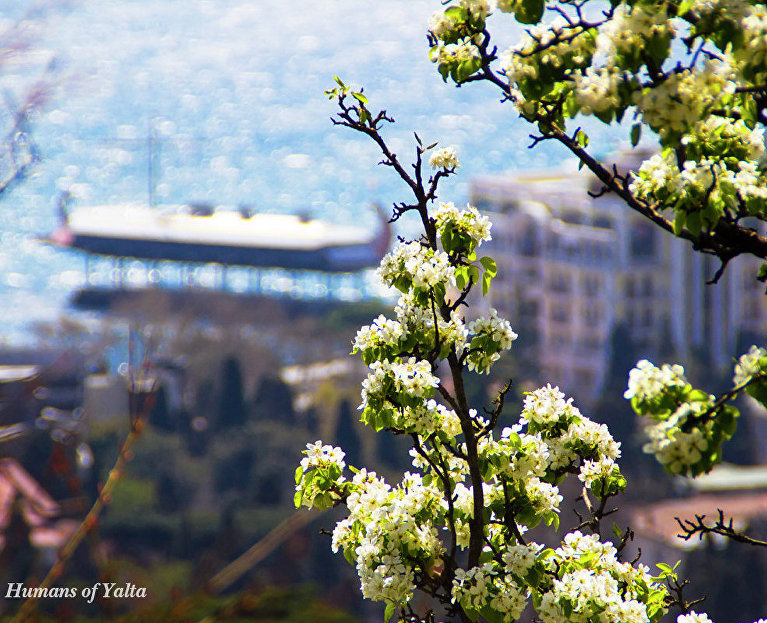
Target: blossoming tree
[455, 527]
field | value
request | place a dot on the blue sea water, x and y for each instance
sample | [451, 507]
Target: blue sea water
[232, 91]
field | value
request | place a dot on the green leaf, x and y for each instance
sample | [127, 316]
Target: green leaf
[694, 223]
[444, 71]
[529, 11]
[697, 395]
[338, 81]
[636, 133]
[605, 116]
[472, 614]
[545, 554]
[679, 221]
[491, 615]
[488, 263]
[298, 497]
[389, 612]
[457, 13]
[658, 48]
[460, 278]
[582, 138]
[299, 473]
[349, 555]
[684, 7]
[617, 530]
[486, 278]
[360, 97]
[473, 272]
[749, 112]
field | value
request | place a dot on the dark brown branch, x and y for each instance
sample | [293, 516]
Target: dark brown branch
[721, 527]
[705, 416]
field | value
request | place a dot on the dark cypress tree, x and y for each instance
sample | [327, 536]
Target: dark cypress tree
[612, 408]
[273, 400]
[160, 416]
[231, 404]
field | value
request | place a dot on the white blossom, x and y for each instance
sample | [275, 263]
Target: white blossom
[748, 365]
[445, 158]
[647, 382]
[319, 455]
[547, 406]
[469, 221]
[693, 617]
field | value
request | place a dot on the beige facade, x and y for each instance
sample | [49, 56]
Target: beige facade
[572, 267]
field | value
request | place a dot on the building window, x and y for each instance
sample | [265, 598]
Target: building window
[642, 239]
[647, 289]
[593, 315]
[528, 308]
[630, 289]
[647, 317]
[560, 282]
[560, 313]
[592, 284]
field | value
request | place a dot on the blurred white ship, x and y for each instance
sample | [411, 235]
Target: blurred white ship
[200, 233]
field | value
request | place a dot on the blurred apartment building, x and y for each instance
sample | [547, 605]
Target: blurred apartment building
[571, 268]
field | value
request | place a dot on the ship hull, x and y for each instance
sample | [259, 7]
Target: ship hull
[344, 258]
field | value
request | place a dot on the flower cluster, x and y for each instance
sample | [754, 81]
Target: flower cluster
[383, 332]
[478, 9]
[491, 335]
[319, 455]
[386, 531]
[750, 365]
[631, 28]
[467, 17]
[688, 425]
[722, 174]
[398, 382]
[459, 60]
[445, 158]
[751, 374]
[591, 583]
[753, 54]
[546, 54]
[546, 407]
[488, 586]
[679, 451]
[412, 264]
[675, 105]
[596, 90]
[649, 385]
[461, 229]
[319, 478]
[569, 437]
